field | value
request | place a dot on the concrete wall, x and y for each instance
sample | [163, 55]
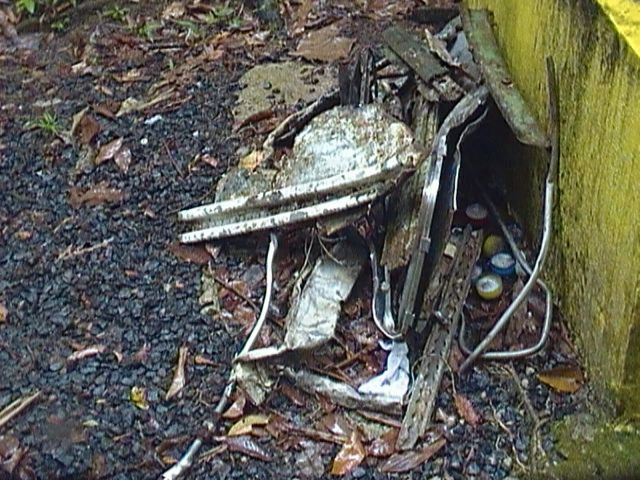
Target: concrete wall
[594, 266]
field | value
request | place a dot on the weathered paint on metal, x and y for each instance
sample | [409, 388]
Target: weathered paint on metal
[503, 90]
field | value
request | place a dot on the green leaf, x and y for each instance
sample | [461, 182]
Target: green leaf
[28, 5]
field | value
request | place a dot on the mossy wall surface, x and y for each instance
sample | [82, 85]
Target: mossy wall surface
[594, 265]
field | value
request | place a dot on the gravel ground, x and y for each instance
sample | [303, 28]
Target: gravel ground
[77, 276]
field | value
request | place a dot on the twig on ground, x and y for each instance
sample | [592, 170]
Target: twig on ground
[69, 252]
[537, 421]
[236, 292]
[510, 434]
[212, 452]
[173, 160]
[15, 408]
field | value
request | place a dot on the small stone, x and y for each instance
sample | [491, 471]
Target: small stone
[507, 463]
[358, 472]
[56, 366]
[530, 371]
[144, 141]
[525, 383]
[128, 381]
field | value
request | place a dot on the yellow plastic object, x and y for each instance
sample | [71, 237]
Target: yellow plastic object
[492, 245]
[489, 287]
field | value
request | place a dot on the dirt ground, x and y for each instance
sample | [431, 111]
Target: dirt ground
[89, 258]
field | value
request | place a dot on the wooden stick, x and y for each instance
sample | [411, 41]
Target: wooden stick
[17, 407]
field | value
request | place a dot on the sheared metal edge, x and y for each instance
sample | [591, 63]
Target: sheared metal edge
[334, 184]
[494, 70]
[341, 393]
[436, 351]
[402, 228]
[286, 218]
[460, 113]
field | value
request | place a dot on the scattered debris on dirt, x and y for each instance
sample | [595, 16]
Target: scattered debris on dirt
[342, 270]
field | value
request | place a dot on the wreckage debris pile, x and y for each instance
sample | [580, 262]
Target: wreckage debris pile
[375, 310]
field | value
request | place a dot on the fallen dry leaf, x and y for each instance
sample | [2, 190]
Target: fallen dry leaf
[245, 317]
[251, 161]
[202, 360]
[245, 425]
[350, 456]
[405, 461]
[294, 395]
[94, 196]
[179, 378]
[566, 379]
[24, 235]
[133, 75]
[108, 151]
[336, 424]
[325, 45]
[103, 109]
[142, 355]
[301, 17]
[86, 352]
[247, 446]
[385, 445]
[88, 128]
[191, 253]
[138, 396]
[123, 159]
[11, 455]
[466, 410]
[210, 160]
[173, 10]
[4, 313]
[236, 409]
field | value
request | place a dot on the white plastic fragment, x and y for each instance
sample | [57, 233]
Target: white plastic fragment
[393, 382]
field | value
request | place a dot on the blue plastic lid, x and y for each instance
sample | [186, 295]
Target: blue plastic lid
[503, 264]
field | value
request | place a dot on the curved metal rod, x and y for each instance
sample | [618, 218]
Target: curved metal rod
[506, 316]
[273, 246]
[381, 297]
[546, 232]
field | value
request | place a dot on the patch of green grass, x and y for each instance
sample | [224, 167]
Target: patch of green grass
[191, 29]
[60, 25]
[147, 30]
[47, 122]
[223, 14]
[116, 13]
[219, 14]
[32, 6]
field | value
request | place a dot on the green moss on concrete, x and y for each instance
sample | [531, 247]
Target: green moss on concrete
[595, 449]
[594, 265]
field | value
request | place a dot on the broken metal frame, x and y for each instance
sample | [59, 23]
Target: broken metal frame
[547, 227]
[292, 193]
[286, 218]
[463, 110]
